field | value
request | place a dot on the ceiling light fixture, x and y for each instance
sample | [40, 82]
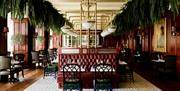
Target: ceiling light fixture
[66, 29]
[88, 24]
[88, 20]
[108, 31]
[111, 28]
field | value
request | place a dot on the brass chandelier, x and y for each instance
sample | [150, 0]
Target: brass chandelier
[88, 17]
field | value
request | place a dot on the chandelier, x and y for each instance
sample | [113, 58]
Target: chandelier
[88, 24]
[88, 17]
[88, 10]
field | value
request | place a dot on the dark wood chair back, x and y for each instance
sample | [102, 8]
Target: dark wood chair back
[19, 57]
[72, 77]
[103, 77]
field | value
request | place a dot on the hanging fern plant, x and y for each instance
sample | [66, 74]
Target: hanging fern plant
[143, 13]
[40, 13]
[174, 7]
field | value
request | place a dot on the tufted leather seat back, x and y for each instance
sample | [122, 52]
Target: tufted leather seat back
[87, 60]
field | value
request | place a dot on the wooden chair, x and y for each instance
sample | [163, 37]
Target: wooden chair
[5, 67]
[35, 58]
[72, 77]
[103, 77]
[51, 54]
[43, 58]
[168, 68]
[126, 70]
[51, 70]
[19, 63]
[54, 53]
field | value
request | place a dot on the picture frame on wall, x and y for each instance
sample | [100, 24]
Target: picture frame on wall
[159, 36]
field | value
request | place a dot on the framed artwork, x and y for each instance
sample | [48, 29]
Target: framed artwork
[159, 36]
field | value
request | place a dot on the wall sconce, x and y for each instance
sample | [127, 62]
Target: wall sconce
[144, 34]
[5, 29]
[66, 29]
[174, 31]
[35, 34]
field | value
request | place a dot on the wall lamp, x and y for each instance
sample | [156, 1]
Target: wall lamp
[175, 31]
[35, 34]
[4, 30]
[144, 34]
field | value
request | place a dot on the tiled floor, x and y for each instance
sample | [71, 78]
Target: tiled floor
[140, 84]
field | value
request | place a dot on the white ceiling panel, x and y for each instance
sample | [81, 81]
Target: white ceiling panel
[71, 9]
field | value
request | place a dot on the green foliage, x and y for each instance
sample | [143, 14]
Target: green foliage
[40, 13]
[40, 39]
[174, 7]
[44, 14]
[143, 13]
[18, 39]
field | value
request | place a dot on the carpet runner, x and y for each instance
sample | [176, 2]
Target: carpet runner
[50, 84]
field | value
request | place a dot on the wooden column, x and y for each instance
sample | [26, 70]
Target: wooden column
[3, 36]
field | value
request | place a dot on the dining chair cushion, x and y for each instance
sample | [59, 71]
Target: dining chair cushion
[103, 80]
[72, 80]
[4, 72]
[72, 85]
[102, 84]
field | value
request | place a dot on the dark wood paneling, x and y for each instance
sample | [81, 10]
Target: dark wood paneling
[31, 31]
[146, 45]
[56, 40]
[131, 43]
[177, 45]
[3, 37]
[171, 40]
[146, 38]
[178, 67]
[3, 45]
[143, 44]
[46, 36]
[112, 41]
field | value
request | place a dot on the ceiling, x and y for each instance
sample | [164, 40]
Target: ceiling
[106, 9]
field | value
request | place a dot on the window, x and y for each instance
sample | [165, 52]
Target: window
[69, 41]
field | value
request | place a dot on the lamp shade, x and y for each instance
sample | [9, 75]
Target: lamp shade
[66, 29]
[105, 33]
[112, 29]
[108, 31]
[88, 24]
